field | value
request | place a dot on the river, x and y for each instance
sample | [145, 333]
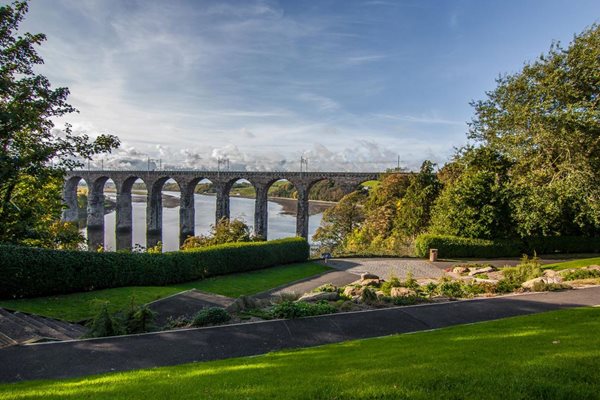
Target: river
[282, 223]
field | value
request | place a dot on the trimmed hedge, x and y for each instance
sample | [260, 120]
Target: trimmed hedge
[33, 272]
[454, 246]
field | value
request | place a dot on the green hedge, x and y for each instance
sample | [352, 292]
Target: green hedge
[454, 246]
[33, 272]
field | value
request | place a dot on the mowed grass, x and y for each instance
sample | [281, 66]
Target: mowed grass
[582, 263]
[554, 355]
[80, 306]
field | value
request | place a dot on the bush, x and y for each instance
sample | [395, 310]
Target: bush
[563, 244]
[451, 289]
[210, 316]
[454, 246]
[328, 287]
[33, 272]
[529, 268]
[289, 310]
[581, 274]
[104, 324]
[139, 319]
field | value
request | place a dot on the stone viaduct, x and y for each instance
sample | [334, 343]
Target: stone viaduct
[187, 180]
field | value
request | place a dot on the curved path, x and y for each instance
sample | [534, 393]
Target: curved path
[93, 356]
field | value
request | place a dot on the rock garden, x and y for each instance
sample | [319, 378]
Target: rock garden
[370, 291]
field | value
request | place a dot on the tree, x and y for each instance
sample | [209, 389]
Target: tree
[32, 153]
[414, 209]
[225, 231]
[545, 121]
[340, 221]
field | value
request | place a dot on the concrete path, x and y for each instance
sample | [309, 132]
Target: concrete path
[337, 278]
[80, 358]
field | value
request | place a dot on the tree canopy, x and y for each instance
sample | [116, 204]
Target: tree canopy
[33, 155]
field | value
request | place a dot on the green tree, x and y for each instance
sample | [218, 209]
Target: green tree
[225, 231]
[414, 209]
[545, 121]
[340, 221]
[32, 155]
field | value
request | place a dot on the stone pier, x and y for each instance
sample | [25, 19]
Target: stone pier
[187, 180]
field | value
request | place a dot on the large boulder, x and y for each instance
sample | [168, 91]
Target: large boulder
[371, 282]
[318, 296]
[402, 292]
[351, 291]
[542, 279]
[460, 270]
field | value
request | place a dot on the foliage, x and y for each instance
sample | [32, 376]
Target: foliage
[581, 274]
[33, 156]
[104, 323]
[513, 277]
[299, 309]
[139, 318]
[340, 221]
[539, 131]
[225, 231]
[368, 295]
[451, 289]
[328, 287]
[453, 246]
[32, 272]
[80, 306]
[210, 316]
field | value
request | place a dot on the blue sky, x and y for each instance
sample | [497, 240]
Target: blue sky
[348, 84]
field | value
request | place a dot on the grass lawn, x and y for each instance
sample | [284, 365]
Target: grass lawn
[585, 262]
[79, 306]
[553, 355]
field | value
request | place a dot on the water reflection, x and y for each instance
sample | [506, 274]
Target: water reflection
[281, 223]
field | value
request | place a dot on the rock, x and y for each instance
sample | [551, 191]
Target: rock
[318, 296]
[543, 279]
[594, 267]
[368, 276]
[460, 270]
[551, 273]
[478, 271]
[380, 294]
[352, 291]
[371, 282]
[402, 292]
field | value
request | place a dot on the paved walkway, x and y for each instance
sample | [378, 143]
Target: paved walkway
[80, 358]
[337, 278]
[399, 267]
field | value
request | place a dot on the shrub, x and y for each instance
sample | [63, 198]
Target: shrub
[33, 272]
[529, 268]
[289, 310]
[368, 295]
[407, 300]
[451, 289]
[581, 274]
[548, 287]
[104, 324]
[139, 319]
[328, 287]
[454, 246]
[562, 244]
[210, 316]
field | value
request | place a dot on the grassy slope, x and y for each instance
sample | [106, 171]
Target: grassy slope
[78, 306]
[574, 264]
[554, 355]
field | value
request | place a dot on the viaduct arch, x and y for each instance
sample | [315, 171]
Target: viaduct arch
[187, 180]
